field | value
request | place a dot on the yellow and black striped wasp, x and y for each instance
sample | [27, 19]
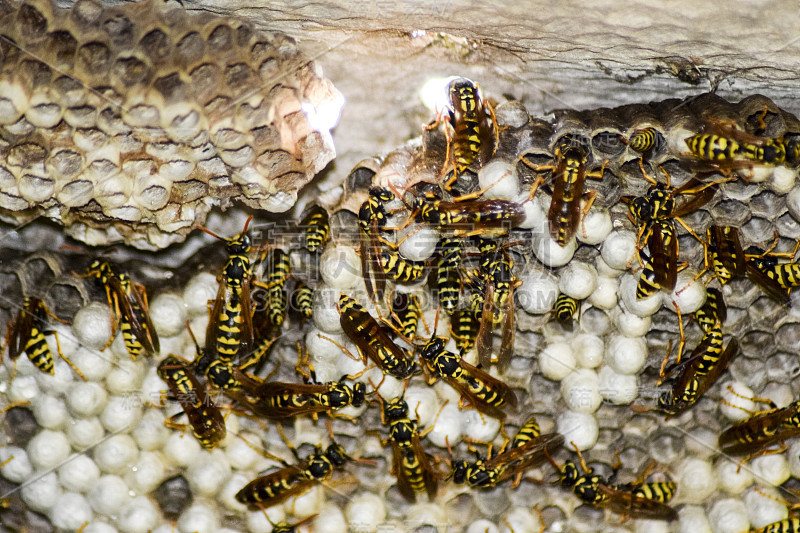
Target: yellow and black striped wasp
[406, 314]
[474, 137]
[726, 148]
[528, 449]
[410, 463]
[373, 341]
[204, 416]
[569, 175]
[448, 275]
[565, 308]
[372, 219]
[645, 140]
[316, 228]
[635, 500]
[279, 400]
[787, 525]
[291, 480]
[27, 332]
[776, 279]
[129, 310]
[284, 527]
[754, 436]
[303, 300]
[230, 327]
[397, 267]
[484, 392]
[277, 270]
[653, 215]
[723, 253]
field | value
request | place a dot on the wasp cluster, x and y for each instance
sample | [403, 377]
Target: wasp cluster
[131, 122]
[533, 297]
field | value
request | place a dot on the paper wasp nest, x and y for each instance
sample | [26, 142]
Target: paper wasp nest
[129, 123]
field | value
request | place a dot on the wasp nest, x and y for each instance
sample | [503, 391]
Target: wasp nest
[132, 474]
[131, 122]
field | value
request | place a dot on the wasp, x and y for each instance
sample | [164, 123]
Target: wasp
[283, 527]
[787, 525]
[776, 279]
[724, 249]
[728, 148]
[653, 214]
[464, 329]
[277, 271]
[27, 334]
[398, 267]
[629, 500]
[528, 449]
[569, 175]
[565, 308]
[406, 313]
[498, 306]
[303, 300]
[474, 136]
[372, 221]
[129, 309]
[713, 313]
[487, 394]
[466, 216]
[230, 328]
[272, 489]
[317, 228]
[206, 420]
[753, 437]
[373, 341]
[448, 276]
[644, 140]
[410, 463]
[278, 400]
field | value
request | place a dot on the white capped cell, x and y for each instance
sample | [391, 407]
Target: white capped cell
[482, 526]
[307, 503]
[499, 180]
[108, 495]
[626, 355]
[448, 428]
[765, 506]
[620, 389]
[589, 350]
[126, 377]
[737, 404]
[479, 427]
[120, 414]
[365, 511]
[23, 389]
[331, 519]
[326, 312]
[631, 325]
[535, 214]
[549, 252]
[794, 457]
[17, 469]
[208, 473]
[198, 291]
[78, 474]
[557, 360]
[87, 399]
[42, 493]
[200, 517]
[242, 456]
[70, 512]
[689, 294]
[693, 519]
[48, 449]
[150, 433]
[423, 404]
[578, 280]
[340, 267]
[227, 495]
[419, 243]
[182, 448]
[581, 391]
[84, 432]
[793, 203]
[696, 481]
[732, 479]
[115, 454]
[644, 525]
[618, 249]
[262, 522]
[645, 306]
[521, 520]
[50, 412]
[139, 515]
[728, 516]
[595, 227]
[605, 295]
[578, 428]
[99, 527]
[770, 469]
[93, 364]
[538, 292]
[168, 314]
[782, 181]
[92, 325]
[147, 474]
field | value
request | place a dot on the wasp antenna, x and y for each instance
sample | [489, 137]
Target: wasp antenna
[203, 228]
